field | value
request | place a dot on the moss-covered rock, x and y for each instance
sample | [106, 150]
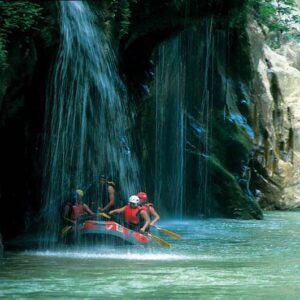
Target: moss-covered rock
[229, 196]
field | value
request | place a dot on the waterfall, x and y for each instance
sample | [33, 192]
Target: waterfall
[183, 102]
[170, 125]
[87, 125]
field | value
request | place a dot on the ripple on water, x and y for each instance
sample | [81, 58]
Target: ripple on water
[216, 259]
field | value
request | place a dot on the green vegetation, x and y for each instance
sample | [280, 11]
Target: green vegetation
[15, 16]
[119, 15]
[278, 19]
[237, 204]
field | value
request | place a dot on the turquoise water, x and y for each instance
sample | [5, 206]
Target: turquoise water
[216, 259]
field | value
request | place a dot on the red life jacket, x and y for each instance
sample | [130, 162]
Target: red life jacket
[77, 211]
[132, 214]
[146, 206]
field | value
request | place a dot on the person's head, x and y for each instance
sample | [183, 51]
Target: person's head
[80, 193]
[103, 179]
[76, 197]
[134, 201]
[143, 197]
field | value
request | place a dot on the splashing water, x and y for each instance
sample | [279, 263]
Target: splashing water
[86, 118]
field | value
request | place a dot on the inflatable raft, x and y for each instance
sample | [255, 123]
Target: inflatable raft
[111, 228]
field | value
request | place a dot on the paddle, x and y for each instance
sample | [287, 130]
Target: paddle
[168, 232]
[65, 231]
[103, 214]
[158, 240]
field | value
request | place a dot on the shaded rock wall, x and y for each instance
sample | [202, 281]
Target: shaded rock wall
[23, 86]
[1, 247]
[215, 173]
[22, 91]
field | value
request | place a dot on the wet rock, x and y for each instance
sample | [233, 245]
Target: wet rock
[1, 247]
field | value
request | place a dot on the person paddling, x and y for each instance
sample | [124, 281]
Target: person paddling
[136, 217]
[76, 209]
[149, 207]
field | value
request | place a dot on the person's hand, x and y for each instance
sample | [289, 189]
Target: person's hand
[100, 209]
[142, 230]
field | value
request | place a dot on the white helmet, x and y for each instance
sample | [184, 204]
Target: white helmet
[134, 200]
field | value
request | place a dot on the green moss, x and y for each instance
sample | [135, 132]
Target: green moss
[230, 145]
[229, 195]
[229, 142]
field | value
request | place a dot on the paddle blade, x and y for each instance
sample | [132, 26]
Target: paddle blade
[168, 232]
[65, 231]
[102, 214]
[159, 241]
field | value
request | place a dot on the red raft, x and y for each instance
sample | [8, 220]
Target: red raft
[111, 228]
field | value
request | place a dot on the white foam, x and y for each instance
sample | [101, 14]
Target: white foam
[122, 256]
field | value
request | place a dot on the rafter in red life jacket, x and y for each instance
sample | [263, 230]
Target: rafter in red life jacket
[132, 214]
[77, 211]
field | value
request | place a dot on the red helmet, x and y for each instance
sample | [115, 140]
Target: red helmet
[143, 196]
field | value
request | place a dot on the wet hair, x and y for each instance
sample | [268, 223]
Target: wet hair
[108, 179]
[75, 197]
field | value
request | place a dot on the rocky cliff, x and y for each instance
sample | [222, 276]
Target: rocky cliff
[275, 118]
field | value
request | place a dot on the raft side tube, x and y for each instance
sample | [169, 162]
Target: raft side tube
[114, 229]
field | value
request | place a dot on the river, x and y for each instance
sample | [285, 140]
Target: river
[215, 259]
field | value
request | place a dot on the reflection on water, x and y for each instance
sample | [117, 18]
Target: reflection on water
[216, 259]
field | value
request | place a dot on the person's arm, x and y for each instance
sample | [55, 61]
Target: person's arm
[117, 211]
[66, 214]
[111, 198]
[88, 210]
[154, 214]
[146, 217]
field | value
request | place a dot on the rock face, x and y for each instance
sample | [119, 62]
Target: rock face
[215, 182]
[22, 93]
[1, 246]
[276, 121]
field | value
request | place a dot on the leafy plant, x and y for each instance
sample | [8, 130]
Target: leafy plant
[15, 16]
[120, 14]
[279, 17]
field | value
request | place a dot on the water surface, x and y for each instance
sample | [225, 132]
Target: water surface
[216, 259]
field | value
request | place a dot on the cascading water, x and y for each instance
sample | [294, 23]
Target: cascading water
[170, 124]
[183, 97]
[86, 117]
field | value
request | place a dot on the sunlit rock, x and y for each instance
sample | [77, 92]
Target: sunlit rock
[276, 122]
